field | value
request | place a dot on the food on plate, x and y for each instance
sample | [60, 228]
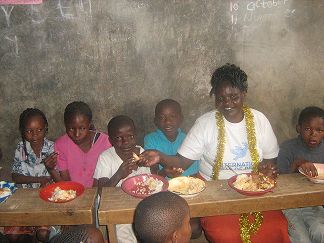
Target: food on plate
[253, 182]
[186, 185]
[5, 192]
[62, 195]
[148, 186]
[180, 170]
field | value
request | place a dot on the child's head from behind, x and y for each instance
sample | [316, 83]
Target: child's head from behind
[168, 117]
[122, 134]
[311, 126]
[33, 126]
[163, 217]
[77, 120]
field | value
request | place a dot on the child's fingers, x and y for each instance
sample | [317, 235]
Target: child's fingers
[51, 157]
[313, 171]
[309, 169]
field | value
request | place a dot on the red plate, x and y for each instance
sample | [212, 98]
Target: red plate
[46, 192]
[131, 187]
[231, 180]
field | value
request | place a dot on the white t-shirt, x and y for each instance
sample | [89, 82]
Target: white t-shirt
[109, 162]
[107, 165]
[201, 144]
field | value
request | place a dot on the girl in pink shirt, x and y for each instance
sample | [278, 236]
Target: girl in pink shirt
[78, 150]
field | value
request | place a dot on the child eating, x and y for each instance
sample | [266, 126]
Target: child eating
[29, 169]
[305, 224]
[162, 217]
[117, 163]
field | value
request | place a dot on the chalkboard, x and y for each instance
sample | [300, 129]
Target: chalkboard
[123, 56]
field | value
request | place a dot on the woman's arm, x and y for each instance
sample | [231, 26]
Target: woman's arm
[152, 157]
[155, 170]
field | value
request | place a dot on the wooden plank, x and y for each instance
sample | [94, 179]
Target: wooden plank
[26, 208]
[291, 191]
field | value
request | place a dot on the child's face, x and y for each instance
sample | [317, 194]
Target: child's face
[168, 119]
[312, 131]
[124, 140]
[184, 232]
[35, 131]
[229, 101]
[77, 128]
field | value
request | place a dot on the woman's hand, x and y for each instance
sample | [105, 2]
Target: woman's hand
[50, 161]
[309, 169]
[173, 172]
[149, 158]
[268, 168]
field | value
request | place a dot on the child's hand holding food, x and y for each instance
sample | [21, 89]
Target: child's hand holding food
[50, 161]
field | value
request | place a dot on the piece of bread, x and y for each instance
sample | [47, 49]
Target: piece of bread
[5, 192]
[135, 157]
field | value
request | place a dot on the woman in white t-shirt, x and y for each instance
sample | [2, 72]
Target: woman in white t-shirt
[237, 136]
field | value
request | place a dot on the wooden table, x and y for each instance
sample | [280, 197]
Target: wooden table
[291, 191]
[26, 208]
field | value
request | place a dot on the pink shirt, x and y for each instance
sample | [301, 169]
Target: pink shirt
[80, 165]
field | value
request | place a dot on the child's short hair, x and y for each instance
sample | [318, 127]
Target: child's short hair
[229, 73]
[158, 216]
[78, 234]
[118, 121]
[167, 102]
[77, 108]
[310, 112]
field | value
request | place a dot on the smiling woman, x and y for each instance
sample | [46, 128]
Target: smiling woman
[232, 134]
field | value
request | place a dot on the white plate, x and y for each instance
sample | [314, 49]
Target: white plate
[320, 171]
[183, 183]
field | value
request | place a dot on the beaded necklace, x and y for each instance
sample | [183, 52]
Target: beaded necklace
[246, 227]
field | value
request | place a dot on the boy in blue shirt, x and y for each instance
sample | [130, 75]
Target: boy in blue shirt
[306, 225]
[168, 137]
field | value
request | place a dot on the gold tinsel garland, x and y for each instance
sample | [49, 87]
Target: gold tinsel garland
[246, 228]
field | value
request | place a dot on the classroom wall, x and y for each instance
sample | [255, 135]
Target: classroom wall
[122, 57]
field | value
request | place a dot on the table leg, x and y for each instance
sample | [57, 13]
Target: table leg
[112, 233]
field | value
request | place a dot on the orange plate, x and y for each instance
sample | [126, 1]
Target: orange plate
[129, 185]
[231, 180]
[47, 191]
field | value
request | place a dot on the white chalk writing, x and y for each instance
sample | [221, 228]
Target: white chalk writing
[254, 5]
[7, 11]
[245, 12]
[36, 16]
[66, 12]
[14, 42]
